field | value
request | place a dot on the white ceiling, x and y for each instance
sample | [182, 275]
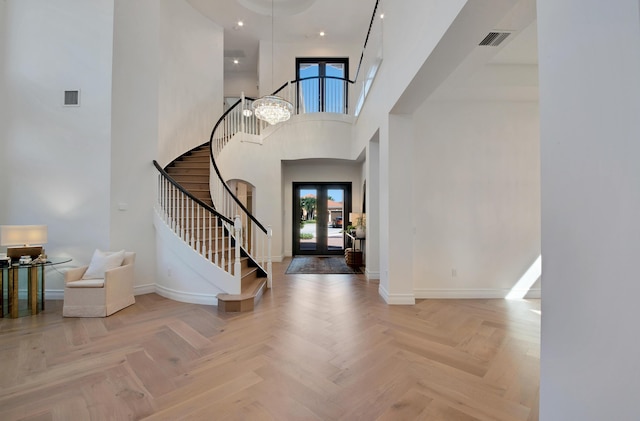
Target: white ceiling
[295, 21]
[505, 72]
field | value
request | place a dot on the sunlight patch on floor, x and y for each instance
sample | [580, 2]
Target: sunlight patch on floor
[526, 281]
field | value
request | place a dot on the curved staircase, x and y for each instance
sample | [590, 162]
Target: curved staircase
[191, 171]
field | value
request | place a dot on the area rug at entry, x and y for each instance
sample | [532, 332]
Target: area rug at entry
[322, 265]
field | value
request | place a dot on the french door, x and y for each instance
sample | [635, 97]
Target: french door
[320, 212]
[323, 86]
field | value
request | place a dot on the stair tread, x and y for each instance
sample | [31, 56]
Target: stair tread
[248, 292]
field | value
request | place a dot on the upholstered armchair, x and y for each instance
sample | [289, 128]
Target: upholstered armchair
[101, 288]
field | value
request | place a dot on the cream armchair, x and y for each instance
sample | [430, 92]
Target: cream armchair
[99, 297]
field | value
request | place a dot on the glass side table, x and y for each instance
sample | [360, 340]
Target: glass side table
[22, 287]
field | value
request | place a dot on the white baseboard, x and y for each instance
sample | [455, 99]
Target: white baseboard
[58, 294]
[478, 293]
[186, 297]
[371, 275]
[396, 299]
[54, 294]
[144, 289]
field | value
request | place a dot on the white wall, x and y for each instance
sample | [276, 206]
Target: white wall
[284, 62]
[55, 159]
[320, 136]
[136, 56]
[4, 105]
[310, 171]
[190, 78]
[428, 20]
[237, 82]
[167, 90]
[589, 107]
[477, 204]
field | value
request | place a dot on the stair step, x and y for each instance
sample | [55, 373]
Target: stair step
[199, 152]
[190, 164]
[248, 274]
[245, 301]
[187, 177]
[192, 186]
[193, 158]
[179, 171]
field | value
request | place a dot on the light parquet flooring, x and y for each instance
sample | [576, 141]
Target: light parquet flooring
[317, 347]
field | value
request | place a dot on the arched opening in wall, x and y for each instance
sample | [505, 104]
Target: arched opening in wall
[245, 192]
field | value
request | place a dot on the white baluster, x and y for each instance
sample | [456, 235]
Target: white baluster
[238, 231]
[210, 234]
[269, 265]
[222, 247]
[229, 248]
[197, 227]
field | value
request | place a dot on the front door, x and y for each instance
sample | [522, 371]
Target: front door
[320, 211]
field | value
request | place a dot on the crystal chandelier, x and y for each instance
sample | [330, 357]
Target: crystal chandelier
[272, 108]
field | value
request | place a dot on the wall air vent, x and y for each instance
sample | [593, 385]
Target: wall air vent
[72, 98]
[493, 39]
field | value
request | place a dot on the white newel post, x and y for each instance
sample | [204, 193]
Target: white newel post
[238, 228]
[269, 269]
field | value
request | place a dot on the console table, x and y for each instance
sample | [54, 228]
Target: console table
[24, 284]
[354, 255]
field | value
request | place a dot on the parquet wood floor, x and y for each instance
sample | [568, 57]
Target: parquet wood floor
[317, 347]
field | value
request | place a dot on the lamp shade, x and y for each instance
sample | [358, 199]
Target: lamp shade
[21, 235]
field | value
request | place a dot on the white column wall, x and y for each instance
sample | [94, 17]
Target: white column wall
[136, 57]
[55, 159]
[589, 108]
[477, 204]
[190, 80]
[167, 86]
[397, 211]
[4, 105]
[372, 175]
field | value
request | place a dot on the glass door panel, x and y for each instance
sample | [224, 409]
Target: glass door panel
[307, 228]
[309, 89]
[336, 213]
[335, 89]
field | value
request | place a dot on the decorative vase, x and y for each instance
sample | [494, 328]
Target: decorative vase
[360, 232]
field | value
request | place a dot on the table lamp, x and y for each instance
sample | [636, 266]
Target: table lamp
[28, 239]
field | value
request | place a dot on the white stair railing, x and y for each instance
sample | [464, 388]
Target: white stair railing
[201, 227]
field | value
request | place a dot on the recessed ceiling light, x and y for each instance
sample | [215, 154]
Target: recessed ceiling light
[235, 61]
[240, 23]
[381, 15]
[321, 33]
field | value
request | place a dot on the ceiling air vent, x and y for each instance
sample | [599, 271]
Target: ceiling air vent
[493, 39]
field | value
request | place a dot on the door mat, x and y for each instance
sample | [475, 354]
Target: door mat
[319, 265]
